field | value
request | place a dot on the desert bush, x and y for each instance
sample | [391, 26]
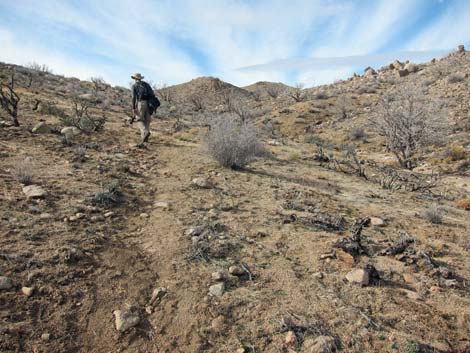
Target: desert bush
[9, 99]
[99, 84]
[82, 118]
[165, 93]
[24, 171]
[455, 77]
[357, 134]
[42, 68]
[79, 154]
[297, 93]
[197, 101]
[343, 108]
[232, 143]
[408, 122]
[273, 91]
[433, 214]
[109, 196]
[320, 95]
[456, 153]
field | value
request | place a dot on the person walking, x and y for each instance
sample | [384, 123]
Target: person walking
[142, 106]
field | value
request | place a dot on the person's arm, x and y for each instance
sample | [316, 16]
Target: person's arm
[134, 99]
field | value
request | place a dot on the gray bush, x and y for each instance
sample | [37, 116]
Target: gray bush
[357, 134]
[433, 214]
[455, 77]
[232, 143]
[24, 171]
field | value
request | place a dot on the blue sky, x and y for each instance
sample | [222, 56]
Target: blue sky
[240, 41]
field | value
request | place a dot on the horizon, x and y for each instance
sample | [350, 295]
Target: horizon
[239, 42]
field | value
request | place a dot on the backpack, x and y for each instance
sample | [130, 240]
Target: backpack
[145, 92]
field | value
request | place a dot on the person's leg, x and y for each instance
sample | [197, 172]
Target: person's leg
[143, 122]
[147, 125]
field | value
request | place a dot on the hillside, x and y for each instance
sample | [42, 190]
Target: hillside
[324, 243]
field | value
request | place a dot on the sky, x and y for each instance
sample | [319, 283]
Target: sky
[240, 41]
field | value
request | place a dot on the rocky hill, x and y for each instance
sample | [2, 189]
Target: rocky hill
[326, 242]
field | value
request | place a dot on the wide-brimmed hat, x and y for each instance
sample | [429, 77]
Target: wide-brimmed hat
[137, 76]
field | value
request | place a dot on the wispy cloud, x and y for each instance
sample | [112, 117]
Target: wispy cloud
[175, 41]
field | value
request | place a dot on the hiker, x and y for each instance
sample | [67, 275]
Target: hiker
[144, 104]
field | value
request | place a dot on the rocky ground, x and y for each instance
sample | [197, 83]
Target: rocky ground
[106, 247]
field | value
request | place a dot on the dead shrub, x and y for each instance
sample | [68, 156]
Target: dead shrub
[82, 118]
[109, 196]
[24, 171]
[232, 143]
[455, 78]
[357, 134]
[433, 214]
[408, 122]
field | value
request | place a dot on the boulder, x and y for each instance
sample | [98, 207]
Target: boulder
[461, 48]
[363, 276]
[5, 283]
[34, 191]
[397, 65]
[41, 128]
[321, 344]
[125, 320]
[411, 67]
[401, 73]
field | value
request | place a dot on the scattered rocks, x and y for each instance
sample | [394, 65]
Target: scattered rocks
[41, 128]
[34, 191]
[5, 283]
[236, 270]
[125, 320]
[217, 290]
[28, 291]
[363, 276]
[321, 344]
[203, 183]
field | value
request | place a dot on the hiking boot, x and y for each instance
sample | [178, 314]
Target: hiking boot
[146, 138]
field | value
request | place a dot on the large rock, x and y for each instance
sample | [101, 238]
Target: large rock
[321, 344]
[5, 283]
[397, 65]
[41, 128]
[125, 320]
[34, 191]
[411, 67]
[401, 73]
[363, 276]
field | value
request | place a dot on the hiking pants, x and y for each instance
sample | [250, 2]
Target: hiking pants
[144, 119]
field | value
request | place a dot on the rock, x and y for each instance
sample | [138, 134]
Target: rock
[125, 320]
[411, 294]
[218, 324]
[193, 232]
[461, 48]
[70, 132]
[369, 72]
[217, 290]
[377, 222]
[162, 205]
[409, 278]
[41, 128]
[144, 215]
[34, 191]
[157, 294]
[219, 276]
[45, 216]
[46, 337]
[203, 183]
[76, 217]
[236, 270]
[28, 291]
[318, 275]
[291, 339]
[321, 344]
[411, 67]
[109, 214]
[5, 283]
[346, 260]
[363, 276]
[401, 73]
[397, 65]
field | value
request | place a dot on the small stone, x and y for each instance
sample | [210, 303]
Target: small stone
[217, 290]
[162, 205]
[125, 320]
[218, 324]
[5, 283]
[219, 276]
[435, 289]
[377, 222]
[144, 215]
[203, 183]
[46, 337]
[28, 291]
[346, 260]
[193, 232]
[41, 128]
[291, 339]
[157, 294]
[318, 275]
[70, 131]
[76, 217]
[411, 294]
[236, 270]
[45, 216]
[34, 191]
[241, 350]
[109, 214]
[409, 278]
[321, 344]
